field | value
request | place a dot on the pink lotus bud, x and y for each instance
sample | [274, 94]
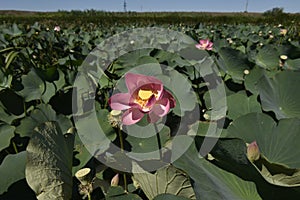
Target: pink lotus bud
[115, 180]
[253, 152]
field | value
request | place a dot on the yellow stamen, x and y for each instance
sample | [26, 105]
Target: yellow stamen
[145, 94]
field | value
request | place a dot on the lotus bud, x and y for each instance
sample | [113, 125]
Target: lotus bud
[253, 152]
[115, 180]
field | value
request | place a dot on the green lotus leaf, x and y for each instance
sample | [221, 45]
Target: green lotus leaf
[275, 141]
[12, 170]
[42, 113]
[215, 102]
[293, 64]
[166, 180]
[239, 104]
[118, 193]
[211, 182]
[205, 128]
[81, 155]
[49, 162]
[233, 62]
[277, 174]
[13, 31]
[49, 92]
[281, 94]
[132, 59]
[33, 86]
[268, 57]
[6, 133]
[53, 84]
[169, 197]
[95, 134]
[252, 79]
[143, 140]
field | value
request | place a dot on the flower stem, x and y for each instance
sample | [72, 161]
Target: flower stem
[158, 141]
[15, 147]
[122, 150]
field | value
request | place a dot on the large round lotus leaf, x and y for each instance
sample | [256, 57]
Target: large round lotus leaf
[252, 78]
[277, 142]
[293, 64]
[12, 170]
[268, 57]
[118, 193]
[147, 147]
[240, 104]
[166, 180]
[169, 197]
[233, 62]
[281, 94]
[211, 182]
[49, 162]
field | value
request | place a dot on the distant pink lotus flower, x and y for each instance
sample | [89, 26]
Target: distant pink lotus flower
[57, 28]
[146, 95]
[204, 45]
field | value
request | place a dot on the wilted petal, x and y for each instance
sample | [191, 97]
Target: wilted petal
[132, 116]
[119, 101]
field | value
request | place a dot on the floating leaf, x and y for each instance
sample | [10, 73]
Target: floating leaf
[49, 162]
[33, 86]
[281, 94]
[169, 197]
[276, 142]
[118, 193]
[211, 182]
[166, 180]
[233, 62]
[12, 170]
[239, 104]
[268, 57]
[6, 133]
[252, 79]
[42, 113]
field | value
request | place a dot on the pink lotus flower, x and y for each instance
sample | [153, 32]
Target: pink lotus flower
[204, 45]
[146, 95]
[57, 28]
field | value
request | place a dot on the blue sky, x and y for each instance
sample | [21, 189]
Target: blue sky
[152, 5]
